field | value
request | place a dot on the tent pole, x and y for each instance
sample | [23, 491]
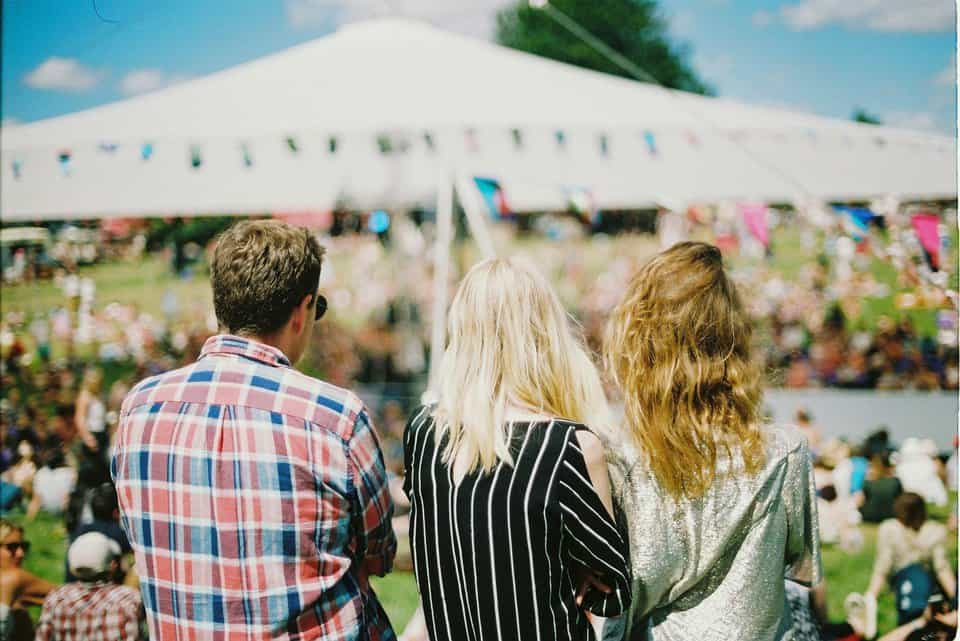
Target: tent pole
[441, 277]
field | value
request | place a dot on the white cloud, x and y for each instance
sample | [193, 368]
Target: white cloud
[763, 18]
[873, 15]
[947, 77]
[470, 17]
[63, 74]
[144, 80]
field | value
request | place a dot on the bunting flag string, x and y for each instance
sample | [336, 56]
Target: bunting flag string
[580, 200]
[64, 157]
[927, 228]
[755, 218]
[651, 142]
[146, 151]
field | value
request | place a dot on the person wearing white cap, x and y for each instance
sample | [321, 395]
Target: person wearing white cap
[97, 607]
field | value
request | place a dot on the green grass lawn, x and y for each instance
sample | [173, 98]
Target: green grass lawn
[844, 572]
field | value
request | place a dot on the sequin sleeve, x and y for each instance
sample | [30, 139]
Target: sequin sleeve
[803, 529]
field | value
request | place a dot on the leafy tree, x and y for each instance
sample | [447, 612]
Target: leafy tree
[633, 28]
[864, 116]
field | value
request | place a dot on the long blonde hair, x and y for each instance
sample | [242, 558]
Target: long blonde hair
[678, 346]
[509, 342]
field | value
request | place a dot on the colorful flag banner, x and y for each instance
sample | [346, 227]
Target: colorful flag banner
[926, 227]
[604, 145]
[651, 141]
[292, 145]
[196, 158]
[247, 156]
[755, 218]
[856, 220]
[580, 200]
[561, 138]
[146, 150]
[109, 147]
[517, 136]
[493, 197]
[65, 157]
[429, 141]
[17, 167]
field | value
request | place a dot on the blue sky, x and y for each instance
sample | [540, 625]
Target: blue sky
[896, 58]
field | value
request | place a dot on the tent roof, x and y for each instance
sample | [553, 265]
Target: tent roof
[402, 76]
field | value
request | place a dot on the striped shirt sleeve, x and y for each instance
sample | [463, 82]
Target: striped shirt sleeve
[378, 542]
[591, 537]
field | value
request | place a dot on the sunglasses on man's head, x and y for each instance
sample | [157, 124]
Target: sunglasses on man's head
[321, 306]
[18, 545]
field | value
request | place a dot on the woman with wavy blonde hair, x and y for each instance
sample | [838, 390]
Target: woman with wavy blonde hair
[510, 524]
[719, 506]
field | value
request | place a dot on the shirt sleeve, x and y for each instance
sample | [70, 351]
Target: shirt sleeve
[591, 537]
[803, 525]
[44, 630]
[377, 541]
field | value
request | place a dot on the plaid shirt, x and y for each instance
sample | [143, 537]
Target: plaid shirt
[255, 499]
[91, 612]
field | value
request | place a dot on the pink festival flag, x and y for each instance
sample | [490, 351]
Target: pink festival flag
[755, 217]
[926, 227]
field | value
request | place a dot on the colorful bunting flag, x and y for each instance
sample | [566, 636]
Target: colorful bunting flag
[856, 220]
[428, 141]
[64, 157]
[17, 167]
[604, 145]
[196, 158]
[292, 145]
[146, 151]
[247, 157]
[580, 200]
[651, 141]
[755, 218]
[108, 147]
[926, 226]
[332, 143]
[561, 138]
[493, 197]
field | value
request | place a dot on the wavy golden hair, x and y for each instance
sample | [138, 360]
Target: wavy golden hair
[678, 346]
[510, 342]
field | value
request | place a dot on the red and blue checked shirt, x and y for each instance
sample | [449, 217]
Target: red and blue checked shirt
[255, 499]
[92, 612]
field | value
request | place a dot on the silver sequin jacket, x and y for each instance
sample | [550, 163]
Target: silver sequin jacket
[713, 568]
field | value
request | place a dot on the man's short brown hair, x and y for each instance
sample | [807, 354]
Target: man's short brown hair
[910, 510]
[261, 271]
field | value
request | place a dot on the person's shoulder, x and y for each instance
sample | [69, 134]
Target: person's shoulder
[781, 440]
[421, 418]
[142, 392]
[124, 595]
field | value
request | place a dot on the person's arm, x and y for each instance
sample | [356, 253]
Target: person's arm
[375, 507]
[34, 507]
[32, 590]
[884, 561]
[592, 542]
[80, 420]
[948, 581]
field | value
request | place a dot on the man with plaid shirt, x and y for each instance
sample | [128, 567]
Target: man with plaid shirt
[255, 497]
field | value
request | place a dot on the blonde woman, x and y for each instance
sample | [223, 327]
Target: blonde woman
[510, 526]
[18, 588]
[719, 506]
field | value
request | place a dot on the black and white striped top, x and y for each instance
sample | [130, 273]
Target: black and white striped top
[494, 553]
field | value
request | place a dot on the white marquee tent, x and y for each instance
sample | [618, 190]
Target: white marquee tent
[408, 107]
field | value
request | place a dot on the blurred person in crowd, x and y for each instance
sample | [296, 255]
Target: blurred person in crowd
[94, 606]
[911, 559]
[91, 422]
[100, 514]
[880, 489]
[938, 623]
[291, 478]
[52, 484]
[814, 435]
[516, 389]
[918, 470]
[17, 480]
[839, 519]
[697, 472]
[18, 588]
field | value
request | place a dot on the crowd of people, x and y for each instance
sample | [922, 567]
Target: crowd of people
[65, 374]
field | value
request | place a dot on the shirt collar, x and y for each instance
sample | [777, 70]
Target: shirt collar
[237, 346]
